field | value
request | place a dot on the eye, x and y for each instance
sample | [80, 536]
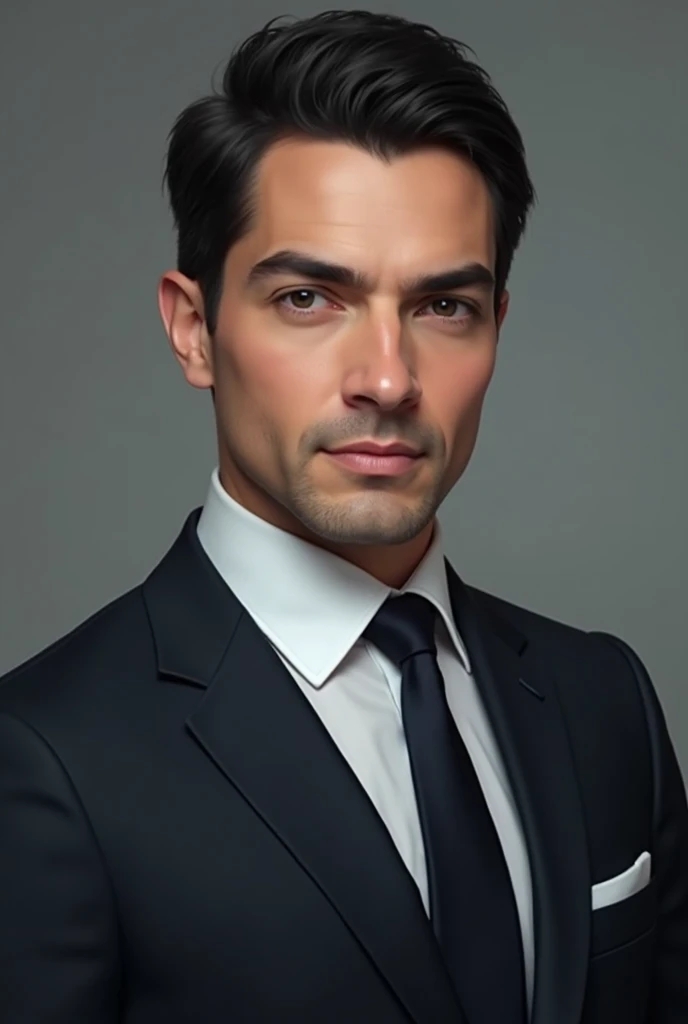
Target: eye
[302, 300]
[448, 308]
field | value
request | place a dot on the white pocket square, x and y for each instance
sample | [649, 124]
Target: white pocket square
[614, 890]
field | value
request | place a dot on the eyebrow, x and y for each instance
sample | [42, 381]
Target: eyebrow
[288, 261]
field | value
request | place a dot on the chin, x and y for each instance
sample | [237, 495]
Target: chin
[366, 518]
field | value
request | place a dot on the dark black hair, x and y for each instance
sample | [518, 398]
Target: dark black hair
[377, 81]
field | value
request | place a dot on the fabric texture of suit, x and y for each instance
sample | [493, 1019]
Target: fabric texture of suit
[169, 855]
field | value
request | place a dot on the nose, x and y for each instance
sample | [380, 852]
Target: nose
[381, 367]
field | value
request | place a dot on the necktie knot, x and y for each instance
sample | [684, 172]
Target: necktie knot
[404, 626]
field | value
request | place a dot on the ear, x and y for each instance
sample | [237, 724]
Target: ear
[181, 308]
[502, 310]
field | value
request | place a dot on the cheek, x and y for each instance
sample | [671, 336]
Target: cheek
[251, 375]
[459, 389]
[285, 379]
[266, 392]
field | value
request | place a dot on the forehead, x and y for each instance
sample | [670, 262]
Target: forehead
[387, 218]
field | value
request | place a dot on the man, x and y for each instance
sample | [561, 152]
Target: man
[304, 772]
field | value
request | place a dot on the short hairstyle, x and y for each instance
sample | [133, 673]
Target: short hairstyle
[377, 81]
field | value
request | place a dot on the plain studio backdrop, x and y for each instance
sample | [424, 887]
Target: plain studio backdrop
[576, 501]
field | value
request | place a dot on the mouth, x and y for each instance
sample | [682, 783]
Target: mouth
[368, 464]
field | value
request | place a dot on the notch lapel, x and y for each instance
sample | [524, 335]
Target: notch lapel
[264, 736]
[522, 705]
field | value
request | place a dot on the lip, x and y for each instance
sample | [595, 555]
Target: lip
[370, 448]
[367, 464]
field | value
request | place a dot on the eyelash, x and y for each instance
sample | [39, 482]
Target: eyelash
[306, 313]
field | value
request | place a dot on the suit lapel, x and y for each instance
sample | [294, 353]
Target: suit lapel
[263, 735]
[520, 698]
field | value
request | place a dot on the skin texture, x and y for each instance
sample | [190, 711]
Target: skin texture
[298, 364]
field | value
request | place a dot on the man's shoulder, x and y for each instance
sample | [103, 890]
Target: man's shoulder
[532, 624]
[566, 646]
[82, 664]
[602, 687]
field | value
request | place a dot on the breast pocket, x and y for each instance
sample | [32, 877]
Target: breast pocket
[622, 923]
[621, 954]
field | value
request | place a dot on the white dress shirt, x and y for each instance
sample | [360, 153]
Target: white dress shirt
[313, 607]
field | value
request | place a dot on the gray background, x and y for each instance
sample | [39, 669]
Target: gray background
[576, 501]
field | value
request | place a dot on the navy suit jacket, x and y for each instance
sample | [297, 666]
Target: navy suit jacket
[181, 841]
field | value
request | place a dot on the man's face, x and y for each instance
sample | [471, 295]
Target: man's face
[304, 361]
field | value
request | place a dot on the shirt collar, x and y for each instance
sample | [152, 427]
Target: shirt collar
[312, 605]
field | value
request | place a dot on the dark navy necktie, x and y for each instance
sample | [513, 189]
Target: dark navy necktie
[472, 905]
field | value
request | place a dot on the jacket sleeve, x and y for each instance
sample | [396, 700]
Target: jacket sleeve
[58, 942]
[669, 992]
